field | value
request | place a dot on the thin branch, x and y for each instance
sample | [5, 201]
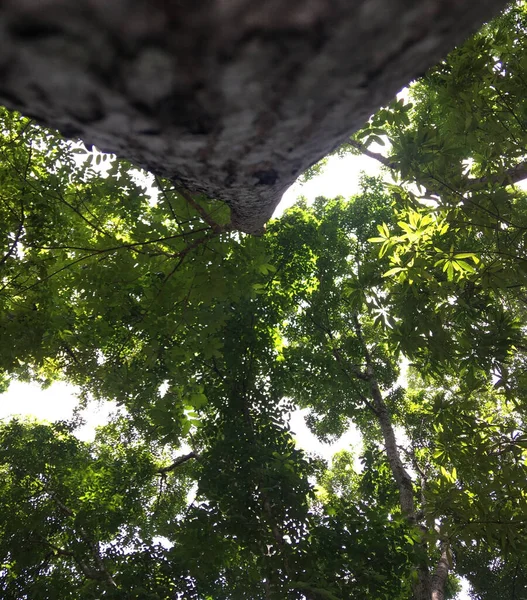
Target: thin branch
[94, 253]
[202, 212]
[79, 214]
[121, 246]
[387, 162]
[165, 196]
[509, 176]
[14, 244]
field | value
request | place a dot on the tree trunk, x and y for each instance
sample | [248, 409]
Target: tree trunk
[440, 576]
[231, 98]
[422, 587]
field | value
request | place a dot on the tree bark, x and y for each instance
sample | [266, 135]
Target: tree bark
[233, 99]
[440, 576]
[422, 587]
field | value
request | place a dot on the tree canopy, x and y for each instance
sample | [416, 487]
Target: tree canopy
[399, 311]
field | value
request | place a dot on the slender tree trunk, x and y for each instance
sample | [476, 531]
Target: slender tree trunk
[426, 587]
[401, 476]
[441, 574]
[422, 587]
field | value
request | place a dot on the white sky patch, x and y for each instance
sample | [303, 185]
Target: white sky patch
[351, 440]
[340, 177]
[56, 403]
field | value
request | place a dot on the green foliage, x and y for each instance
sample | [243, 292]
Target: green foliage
[207, 339]
[456, 250]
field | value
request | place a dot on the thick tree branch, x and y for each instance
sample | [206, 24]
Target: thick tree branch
[401, 476]
[177, 463]
[508, 177]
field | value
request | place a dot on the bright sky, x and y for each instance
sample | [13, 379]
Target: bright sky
[55, 403]
[340, 178]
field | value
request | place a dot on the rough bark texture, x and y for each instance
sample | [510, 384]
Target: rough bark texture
[234, 98]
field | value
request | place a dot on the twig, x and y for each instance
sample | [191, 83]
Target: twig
[202, 212]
